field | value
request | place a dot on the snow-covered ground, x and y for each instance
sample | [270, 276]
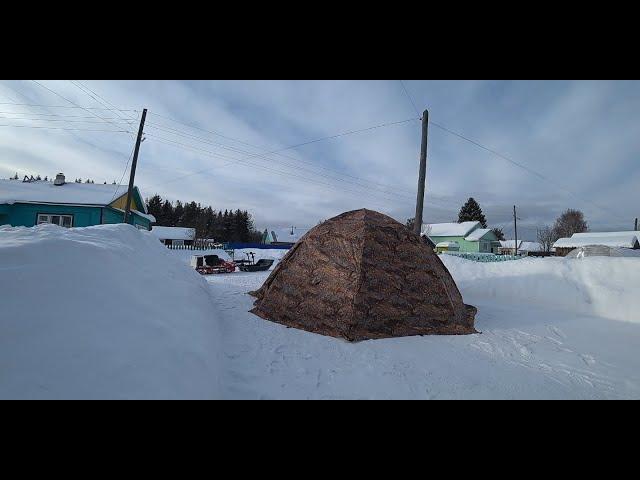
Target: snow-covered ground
[102, 312]
[108, 312]
[551, 328]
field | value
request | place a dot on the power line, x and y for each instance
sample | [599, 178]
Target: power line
[315, 141]
[71, 102]
[246, 162]
[123, 174]
[86, 90]
[411, 99]
[519, 165]
[56, 120]
[64, 106]
[63, 128]
[387, 187]
[258, 155]
[60, 116]
[101, 100]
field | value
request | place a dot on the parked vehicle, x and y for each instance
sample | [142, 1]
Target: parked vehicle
[210, 264]
[249, 265]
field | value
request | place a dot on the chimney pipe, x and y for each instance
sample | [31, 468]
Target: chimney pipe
[60, 179]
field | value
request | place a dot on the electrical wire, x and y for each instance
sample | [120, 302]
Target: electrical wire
[259, 166]
[523, 167]
[258, 156]
[359, 180]
[411, 99]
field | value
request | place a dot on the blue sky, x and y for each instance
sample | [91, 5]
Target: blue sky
[583, 136]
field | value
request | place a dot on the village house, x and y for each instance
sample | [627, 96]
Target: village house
[508, 247]
[30, 203]
[174, 236]
[627, 240]
[283, 236]
[468, 237]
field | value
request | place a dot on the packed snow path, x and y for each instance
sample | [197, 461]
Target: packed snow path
[523, 352]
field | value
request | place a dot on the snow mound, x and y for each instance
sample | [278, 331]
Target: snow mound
[102, 312]
[601, 286]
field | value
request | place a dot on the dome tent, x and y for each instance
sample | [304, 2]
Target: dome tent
[362, 275]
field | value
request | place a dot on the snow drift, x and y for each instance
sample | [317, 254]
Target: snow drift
[102, 312]
[601, 286]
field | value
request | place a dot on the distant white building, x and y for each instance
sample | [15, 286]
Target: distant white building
[283, 235]
[508, 247]
[176, 236]
[627, 239]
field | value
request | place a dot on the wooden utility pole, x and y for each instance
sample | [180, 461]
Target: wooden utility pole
[417, 223]
[134, 164]
[515, 227]
[636, 225]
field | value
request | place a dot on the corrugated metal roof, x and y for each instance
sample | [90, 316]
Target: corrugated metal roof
[624, 240]
[477, 234]
[449, 229]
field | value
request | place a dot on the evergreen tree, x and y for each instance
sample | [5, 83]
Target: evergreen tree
[154, 207]
[471, 212]
[178, 212]
[166, 214]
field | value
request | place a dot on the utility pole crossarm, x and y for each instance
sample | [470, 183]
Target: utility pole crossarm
[417, 222]
[134, 164]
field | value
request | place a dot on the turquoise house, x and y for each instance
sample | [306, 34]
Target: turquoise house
[461, 237]
[30, 203]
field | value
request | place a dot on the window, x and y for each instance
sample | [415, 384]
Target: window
[62, 220]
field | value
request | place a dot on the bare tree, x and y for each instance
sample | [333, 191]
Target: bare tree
[498, 233]
[546, 238]
[570, 222]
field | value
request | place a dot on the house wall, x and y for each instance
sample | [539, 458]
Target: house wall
[121, 202]
[562, 252]
[26, 214]
[465, 246]
[4, 214]
[111, 216]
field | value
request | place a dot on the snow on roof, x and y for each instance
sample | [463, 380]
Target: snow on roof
[624, 240]
[606, 234]
[174, 233]
[477, 234]
[449, 229]
[509, 243]
[284, 234]
[522, 245]
[71, 193]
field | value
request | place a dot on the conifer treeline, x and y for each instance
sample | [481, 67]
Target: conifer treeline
[227, 226]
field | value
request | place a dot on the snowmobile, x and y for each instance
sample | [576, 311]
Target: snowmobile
[250, 265]
[210, 264]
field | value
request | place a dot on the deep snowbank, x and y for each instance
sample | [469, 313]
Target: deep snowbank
[102, 312]
[602, 286]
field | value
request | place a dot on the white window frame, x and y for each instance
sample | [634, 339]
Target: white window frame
[49, 216]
